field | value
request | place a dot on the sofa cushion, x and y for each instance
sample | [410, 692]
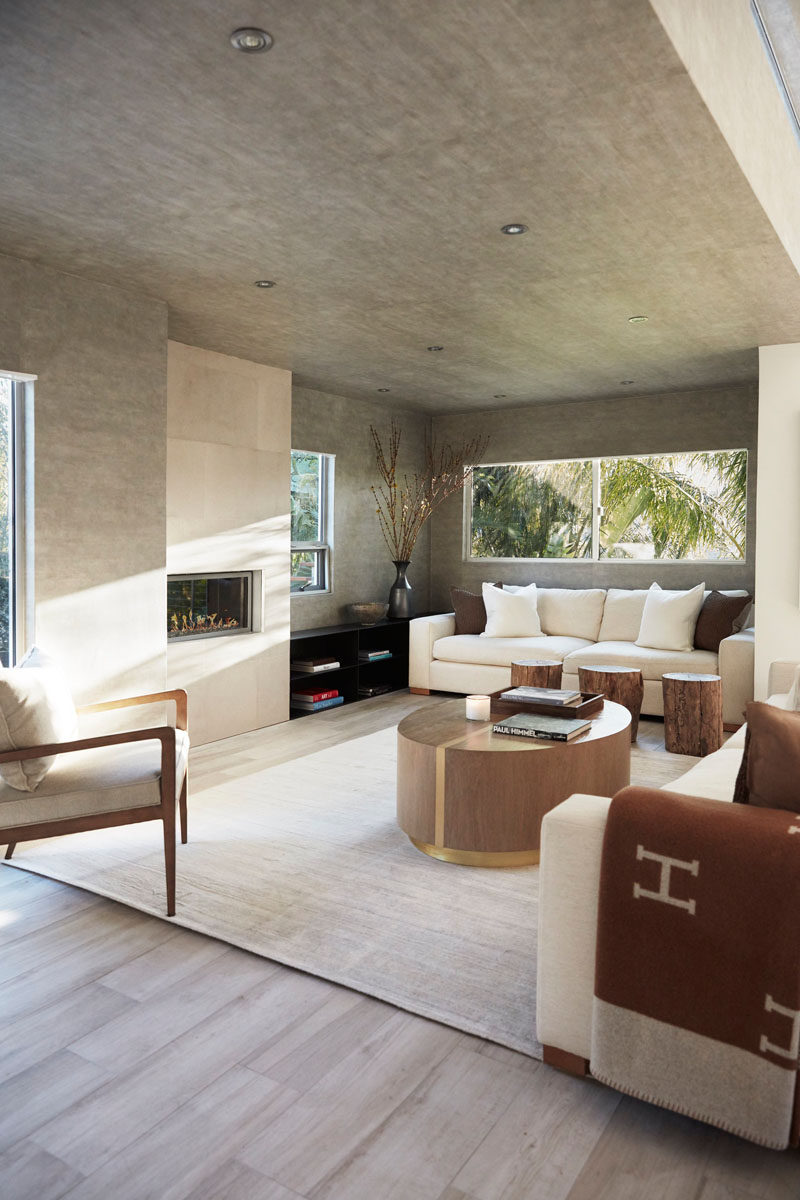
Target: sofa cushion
[511, 614]
[501, 652]
[36, 709]
[83, 782]
[669, 618]
[622, 615]
[650, 661]
[716, 618]
[571, 612]
[713, 777]
[769, 776]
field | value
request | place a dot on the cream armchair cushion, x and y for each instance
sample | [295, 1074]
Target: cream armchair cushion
[36, 709]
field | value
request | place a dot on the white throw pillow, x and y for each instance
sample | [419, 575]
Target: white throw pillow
[669, 618]
[36, 709]
[793, 699]
[622, 615]
[511, 614]
[571, 612]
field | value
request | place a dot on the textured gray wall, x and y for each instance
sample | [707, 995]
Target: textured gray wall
[100, 472]
[722, 418]
[362, 567]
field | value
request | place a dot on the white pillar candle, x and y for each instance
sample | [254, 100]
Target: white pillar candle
[479, 708]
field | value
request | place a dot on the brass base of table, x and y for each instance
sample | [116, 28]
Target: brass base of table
[479, 858]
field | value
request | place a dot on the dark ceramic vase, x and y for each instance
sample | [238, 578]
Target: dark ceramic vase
[400, 601]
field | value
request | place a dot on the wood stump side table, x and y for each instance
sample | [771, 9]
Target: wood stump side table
[692, 713]
[536, 672]
[623, 685]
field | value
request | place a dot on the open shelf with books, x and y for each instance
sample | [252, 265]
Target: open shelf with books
[338, 664]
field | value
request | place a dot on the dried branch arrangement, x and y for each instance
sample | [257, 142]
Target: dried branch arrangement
[405, 503]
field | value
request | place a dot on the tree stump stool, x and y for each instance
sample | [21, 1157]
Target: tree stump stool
[692, 713]
[621, 684]
[536, 672]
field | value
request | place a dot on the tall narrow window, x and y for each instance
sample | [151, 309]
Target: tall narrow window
[7, 506]
[312, 523]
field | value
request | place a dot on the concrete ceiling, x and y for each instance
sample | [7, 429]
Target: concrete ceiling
[366, 164]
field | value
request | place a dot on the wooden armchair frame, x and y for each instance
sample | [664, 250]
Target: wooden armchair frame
[165, 811]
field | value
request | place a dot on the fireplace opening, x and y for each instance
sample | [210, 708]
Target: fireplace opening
[211, 605]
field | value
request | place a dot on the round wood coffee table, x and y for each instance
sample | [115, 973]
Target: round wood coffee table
[470, 796]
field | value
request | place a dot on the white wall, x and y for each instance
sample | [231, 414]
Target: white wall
[778, 510]
[722, 51]
[228, 446]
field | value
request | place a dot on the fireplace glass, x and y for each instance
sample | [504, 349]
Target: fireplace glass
[208, 605]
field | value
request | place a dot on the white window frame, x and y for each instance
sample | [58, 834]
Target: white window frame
[597, 513]
[21, 602]
[321, 550]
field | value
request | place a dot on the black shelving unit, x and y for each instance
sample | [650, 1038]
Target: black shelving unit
[345, 643]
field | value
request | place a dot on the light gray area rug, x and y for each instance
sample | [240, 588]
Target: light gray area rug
[303, 863]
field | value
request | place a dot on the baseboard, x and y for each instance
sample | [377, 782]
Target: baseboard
[562, 1060]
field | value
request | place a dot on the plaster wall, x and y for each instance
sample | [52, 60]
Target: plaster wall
[778, 565]
[228, 509]
[362, 567]
[724, 418]
[99, 472]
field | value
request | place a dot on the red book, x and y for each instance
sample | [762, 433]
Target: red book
[313, 696]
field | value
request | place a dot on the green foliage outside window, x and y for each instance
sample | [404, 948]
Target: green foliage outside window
[668, 506]
[532, 510]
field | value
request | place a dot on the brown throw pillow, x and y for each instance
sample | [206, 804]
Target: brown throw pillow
[716, 618]
[769, 776]
[740, 792]
[469, 609]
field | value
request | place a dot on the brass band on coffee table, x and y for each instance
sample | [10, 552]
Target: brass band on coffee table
[470, 796]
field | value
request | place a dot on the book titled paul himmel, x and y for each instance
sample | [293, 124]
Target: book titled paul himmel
[552, 729]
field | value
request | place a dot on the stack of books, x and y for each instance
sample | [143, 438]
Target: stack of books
[373, 655]
[313, 699]
[562, 697]
[553, 729]
[373, 689]
[310, 666]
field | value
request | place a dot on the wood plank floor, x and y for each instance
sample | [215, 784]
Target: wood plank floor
[139, 1060]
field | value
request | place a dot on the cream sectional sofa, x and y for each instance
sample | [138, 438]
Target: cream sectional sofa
[580, 627]
[569, 882]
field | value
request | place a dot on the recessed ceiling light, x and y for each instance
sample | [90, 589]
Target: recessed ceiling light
[514, 228]
[625, 382]
[251, 41]
[636, 320]
[435, 348]
[499, 396]
[384, 389]
[265, 283]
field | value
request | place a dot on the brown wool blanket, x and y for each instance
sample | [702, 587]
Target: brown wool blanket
[697, 989]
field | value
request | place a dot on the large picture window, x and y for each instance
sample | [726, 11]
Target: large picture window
[665, 507]
[312, 513]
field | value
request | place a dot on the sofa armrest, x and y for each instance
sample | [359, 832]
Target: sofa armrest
[737, 671]
[569, 885]
[422, 633]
